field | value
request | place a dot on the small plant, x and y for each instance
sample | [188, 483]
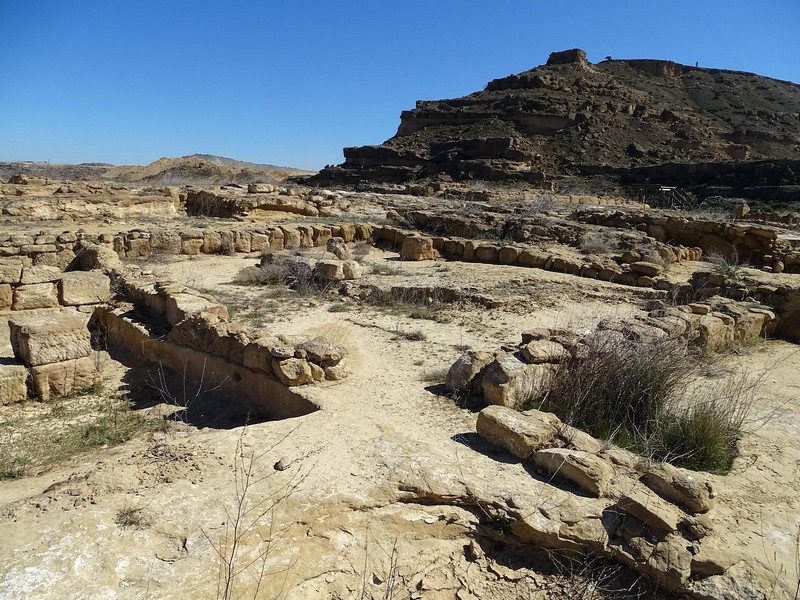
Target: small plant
[645, 396]
[339, 307]
[728, 266]
[412, 336]
[384, 268]
[595, 242]
[130, 517]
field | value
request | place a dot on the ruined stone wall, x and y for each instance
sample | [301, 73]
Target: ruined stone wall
[190, 333]
[48, 314]
[757, 244]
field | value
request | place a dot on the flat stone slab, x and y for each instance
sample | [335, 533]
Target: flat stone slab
[42, 339]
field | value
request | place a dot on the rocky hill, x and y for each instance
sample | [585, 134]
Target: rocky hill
[199, 169]
[186, 170]
[573, 117]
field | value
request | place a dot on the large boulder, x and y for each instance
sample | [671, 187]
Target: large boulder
[522, 434]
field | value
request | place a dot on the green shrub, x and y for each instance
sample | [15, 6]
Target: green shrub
[644, 395]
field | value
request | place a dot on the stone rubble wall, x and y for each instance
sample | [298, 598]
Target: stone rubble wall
[189, 332]
[516, 373]
[757, 244]
[414, 246]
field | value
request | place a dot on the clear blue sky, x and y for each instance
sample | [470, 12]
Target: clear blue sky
[291, 82]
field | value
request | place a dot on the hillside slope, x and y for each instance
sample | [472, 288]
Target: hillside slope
[570, 117]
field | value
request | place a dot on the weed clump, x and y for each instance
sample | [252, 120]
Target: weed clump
[643, 395]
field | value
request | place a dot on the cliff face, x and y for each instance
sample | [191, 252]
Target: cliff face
[570, 116]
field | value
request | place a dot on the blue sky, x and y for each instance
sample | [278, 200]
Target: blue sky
[291, 82]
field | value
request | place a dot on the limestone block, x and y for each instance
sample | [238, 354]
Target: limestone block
[241, 241]
[165, 242]
[417, 248]
[338, 371]
[508, 255]
[520, 434]
[259, 242]
[588, 471]
[686, 488]
[182, 305]
[646, 268]
[651, 509]
[465, 374]
[191, 246]
[258, 354]
[62, 378]
[6, 296]
[212, 242]
[292, 371]
[13, 382]
[38, 295]
[40, 339]
[92, 256]
[487, 254]
[322, 351]
[533, 258]
[77, 288]
[137, 248]
[714, 333]
[330, 270]
[544, 351]
[338, 248]
[352, 270]
[260, 188]
[10, 271]
[510, 382]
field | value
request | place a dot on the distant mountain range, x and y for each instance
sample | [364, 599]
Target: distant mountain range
[186, 170]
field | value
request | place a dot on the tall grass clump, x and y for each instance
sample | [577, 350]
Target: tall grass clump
[644, 395]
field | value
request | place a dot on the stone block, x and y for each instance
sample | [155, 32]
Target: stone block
[13, 382]
[182, 305]
[40, 339]
[10, 271]
[587, 471]
[521, 434]
[6, 296]
[38, 295]
[84, 287]
[465, 374]
[417, 248]
[63, 378]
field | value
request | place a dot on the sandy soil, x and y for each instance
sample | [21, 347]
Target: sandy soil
[148, 519]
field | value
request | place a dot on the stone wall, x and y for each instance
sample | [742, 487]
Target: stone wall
[48, 314]
[513, 375]
[756, 244]
[190, 333]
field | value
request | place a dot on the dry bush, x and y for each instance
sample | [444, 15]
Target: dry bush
[644, 395]
[728, 266]
[597, 242]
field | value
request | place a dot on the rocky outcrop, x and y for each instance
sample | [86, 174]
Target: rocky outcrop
[616, 117]
[655, 523]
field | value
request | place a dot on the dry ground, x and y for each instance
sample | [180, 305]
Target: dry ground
[148, 519]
